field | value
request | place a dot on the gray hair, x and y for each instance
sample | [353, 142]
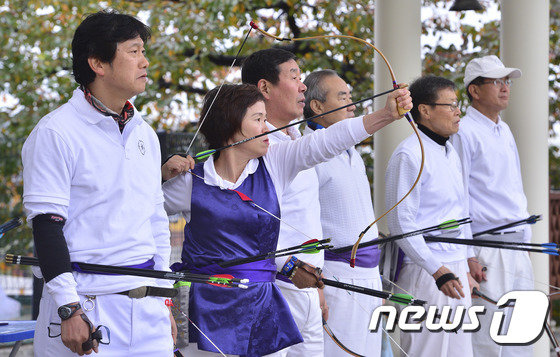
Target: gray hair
[315, 90]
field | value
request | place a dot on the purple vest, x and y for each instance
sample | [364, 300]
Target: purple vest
[252, 322]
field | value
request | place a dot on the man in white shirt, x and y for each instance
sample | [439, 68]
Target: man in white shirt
[277, 75]
[435, 272]
[346, 209]
[492, 176]
[92, 191]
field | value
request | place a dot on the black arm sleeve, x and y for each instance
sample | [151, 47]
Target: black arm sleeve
[54, 258]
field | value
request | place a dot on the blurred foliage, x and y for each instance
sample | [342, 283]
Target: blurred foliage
[192, 46]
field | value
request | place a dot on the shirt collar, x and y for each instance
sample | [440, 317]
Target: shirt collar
[483, 119]
[446, 148]
[92, 115]
[293, 133]
[438, 139]
[122, 119]
[212, 178]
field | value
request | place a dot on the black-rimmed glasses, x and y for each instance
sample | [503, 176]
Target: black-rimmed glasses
[499, 82]
[452, 106]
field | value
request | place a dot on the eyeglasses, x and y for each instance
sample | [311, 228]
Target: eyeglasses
[452, 106]
[499, 82]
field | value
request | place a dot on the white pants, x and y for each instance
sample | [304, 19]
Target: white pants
[508, 270]
[422, 285]
[306, 311]
[192, 351]
[138, 327]
[350, 312]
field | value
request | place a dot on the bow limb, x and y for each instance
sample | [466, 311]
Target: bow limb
[331, 334]
[400, 110]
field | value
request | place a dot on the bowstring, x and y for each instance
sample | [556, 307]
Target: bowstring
[199, 330]
[220, 88]
[525, 278]
[368, 312]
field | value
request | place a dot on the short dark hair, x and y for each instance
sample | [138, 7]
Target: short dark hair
[477, 81]
[315, 89]
[98, 35]
[426, 90]
[264, 65]
[226, 114]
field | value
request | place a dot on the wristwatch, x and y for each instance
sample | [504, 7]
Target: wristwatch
[67, 311]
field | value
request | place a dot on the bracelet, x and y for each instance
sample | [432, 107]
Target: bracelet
[288, 268]
[444, 279]
[294, 272]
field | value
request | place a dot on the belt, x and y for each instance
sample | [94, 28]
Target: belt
[502, 233]
[144, 291]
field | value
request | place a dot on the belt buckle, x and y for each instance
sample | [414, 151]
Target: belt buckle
[138, 293]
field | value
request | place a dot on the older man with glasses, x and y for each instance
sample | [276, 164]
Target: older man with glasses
[435, 272]
[492, 174]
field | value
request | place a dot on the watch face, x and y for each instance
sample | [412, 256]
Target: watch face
[64, 312]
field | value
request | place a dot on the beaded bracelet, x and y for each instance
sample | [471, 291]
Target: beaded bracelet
[288, 268]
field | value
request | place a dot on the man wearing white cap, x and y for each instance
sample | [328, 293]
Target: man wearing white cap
[492, 175]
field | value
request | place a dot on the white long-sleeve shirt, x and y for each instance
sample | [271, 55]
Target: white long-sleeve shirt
[492, 172]
[438, 197]
[300, 207]
[283, 160]
[345, 198]
[77, 164]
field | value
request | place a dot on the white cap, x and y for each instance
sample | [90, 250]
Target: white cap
[488, 67]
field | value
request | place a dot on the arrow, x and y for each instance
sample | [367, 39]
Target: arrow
[402, 299]
[529, 220]
[308, 247]
[11, 224]
[496, 244]
[204, 154]
[451, 224]
[216, 280]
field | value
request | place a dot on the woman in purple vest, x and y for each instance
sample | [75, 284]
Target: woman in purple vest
[221, 226]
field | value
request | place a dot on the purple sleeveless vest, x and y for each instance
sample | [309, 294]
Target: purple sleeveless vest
[252, 322]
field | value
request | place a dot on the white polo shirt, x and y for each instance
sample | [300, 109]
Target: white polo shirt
[108, 187]
[492, 172]
[300, 207]
[438, 197]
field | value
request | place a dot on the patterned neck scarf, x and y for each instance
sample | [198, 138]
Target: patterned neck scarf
[121, 119]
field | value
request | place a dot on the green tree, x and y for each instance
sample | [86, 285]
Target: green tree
[192, 45]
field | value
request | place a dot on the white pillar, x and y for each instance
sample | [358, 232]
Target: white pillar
[397, 35]
[524, 44]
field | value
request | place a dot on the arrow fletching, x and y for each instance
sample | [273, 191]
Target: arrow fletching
[204, 154]
[243, 196]
[534, 218]
[550, 251]
[182, 283]
[310, 248]
[401, 299]
[220, 280]
[451, 224]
